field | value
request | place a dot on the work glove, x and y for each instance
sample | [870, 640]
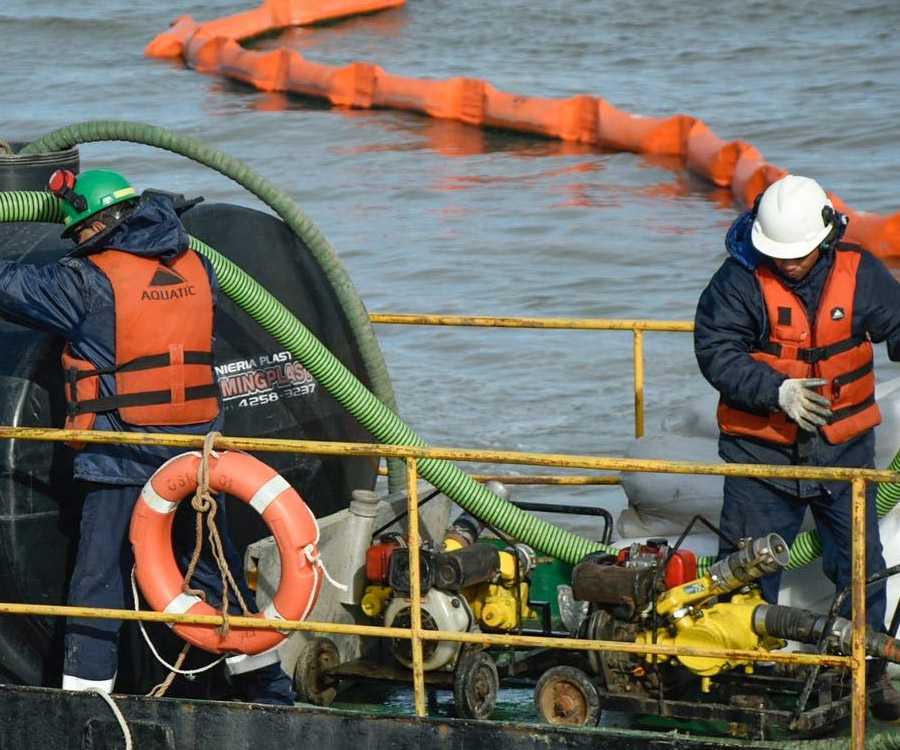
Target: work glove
[801, 403]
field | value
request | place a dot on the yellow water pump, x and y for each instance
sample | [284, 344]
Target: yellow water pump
[629, 601]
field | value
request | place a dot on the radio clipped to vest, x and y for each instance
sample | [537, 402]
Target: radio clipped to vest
[163, 371]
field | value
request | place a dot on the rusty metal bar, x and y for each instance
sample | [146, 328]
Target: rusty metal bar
[858, 637]
[858, 477]
[539, 479]
[490, 639]
[560, 460]
[638, 383]
[415, 586]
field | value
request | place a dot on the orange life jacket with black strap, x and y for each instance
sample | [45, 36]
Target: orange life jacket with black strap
[831, 352]
[163, 346]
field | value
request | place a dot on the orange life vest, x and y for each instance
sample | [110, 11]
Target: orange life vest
[163, 346]
[831, 352]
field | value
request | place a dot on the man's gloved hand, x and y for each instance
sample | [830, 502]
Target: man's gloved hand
[801, 403]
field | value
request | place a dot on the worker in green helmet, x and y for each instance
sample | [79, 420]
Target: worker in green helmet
[136, 307]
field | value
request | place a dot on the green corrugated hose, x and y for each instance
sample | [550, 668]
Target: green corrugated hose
[371, 412]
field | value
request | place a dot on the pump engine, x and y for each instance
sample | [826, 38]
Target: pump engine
[651, 594]
[466, 585]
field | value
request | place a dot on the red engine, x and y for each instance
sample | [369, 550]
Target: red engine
[378, 558]
[629, 581]
[681, 568]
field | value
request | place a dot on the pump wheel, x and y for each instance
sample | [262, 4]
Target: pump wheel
[475, 685]
[566, 695]
[311, 679]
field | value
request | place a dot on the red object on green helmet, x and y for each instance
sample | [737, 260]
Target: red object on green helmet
[87, 194]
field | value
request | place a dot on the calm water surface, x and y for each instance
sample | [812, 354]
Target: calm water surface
[437, 217]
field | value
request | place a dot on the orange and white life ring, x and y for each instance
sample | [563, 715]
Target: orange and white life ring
[266, 491]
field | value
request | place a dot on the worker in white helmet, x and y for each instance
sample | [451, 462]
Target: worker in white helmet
[784, 332]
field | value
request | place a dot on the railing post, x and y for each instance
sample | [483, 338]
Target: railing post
[858, 640]
[638, 382]
[415, 585]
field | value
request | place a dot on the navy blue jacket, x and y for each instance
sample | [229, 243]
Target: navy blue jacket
[73, 299]
[731, 322]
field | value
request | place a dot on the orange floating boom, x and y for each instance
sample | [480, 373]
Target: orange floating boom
[214, 47]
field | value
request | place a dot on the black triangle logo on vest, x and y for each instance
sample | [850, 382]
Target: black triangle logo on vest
[166, 277]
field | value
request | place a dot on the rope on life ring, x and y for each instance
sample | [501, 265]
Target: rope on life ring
[266, 491]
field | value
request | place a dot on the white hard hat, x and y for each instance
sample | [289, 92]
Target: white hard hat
[790, 221]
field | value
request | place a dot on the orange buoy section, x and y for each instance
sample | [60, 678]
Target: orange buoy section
[261, 487]
[270, 16]
[214, 47]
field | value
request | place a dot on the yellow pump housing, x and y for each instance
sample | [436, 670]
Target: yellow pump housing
[500, 603]
[374, 600]
[497, 605]
[726, 625]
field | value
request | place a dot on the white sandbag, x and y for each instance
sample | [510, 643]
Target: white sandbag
[665, 503]
[806, 588]
[660, 504]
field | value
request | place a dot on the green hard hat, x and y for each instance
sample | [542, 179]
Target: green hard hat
[100, 189]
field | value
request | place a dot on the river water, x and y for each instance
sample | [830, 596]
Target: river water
[437, 217]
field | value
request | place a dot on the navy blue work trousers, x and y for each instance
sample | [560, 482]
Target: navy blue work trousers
[753, 508]
[102, 577]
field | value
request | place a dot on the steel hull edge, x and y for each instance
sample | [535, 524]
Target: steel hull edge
[40, 718]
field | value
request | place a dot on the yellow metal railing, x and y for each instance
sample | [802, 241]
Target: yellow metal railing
[857, 477]
[637, 327]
